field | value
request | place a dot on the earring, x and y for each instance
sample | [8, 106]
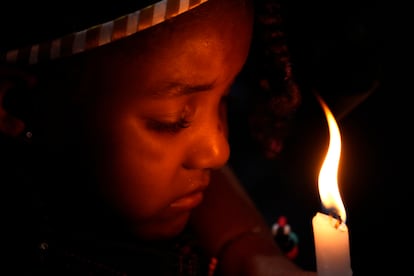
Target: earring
[27, 136]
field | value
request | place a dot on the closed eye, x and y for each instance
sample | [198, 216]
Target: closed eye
[169, 127]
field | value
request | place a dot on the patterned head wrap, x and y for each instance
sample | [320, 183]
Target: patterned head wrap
[100, 34]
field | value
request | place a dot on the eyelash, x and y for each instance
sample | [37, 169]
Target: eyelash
[175, 127]
[169, 127]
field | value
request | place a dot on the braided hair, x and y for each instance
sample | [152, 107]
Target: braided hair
[274, 95]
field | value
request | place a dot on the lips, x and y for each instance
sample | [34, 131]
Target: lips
[195, 196]
[188, 202]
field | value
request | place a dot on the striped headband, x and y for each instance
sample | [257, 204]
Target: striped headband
[101, 34]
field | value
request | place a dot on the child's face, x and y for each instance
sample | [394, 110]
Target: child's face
[160, 118]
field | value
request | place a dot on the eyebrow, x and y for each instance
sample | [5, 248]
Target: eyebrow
[176, 89]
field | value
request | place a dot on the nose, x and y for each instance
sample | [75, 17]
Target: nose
[210, 148]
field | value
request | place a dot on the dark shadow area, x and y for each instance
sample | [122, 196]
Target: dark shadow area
[352, 54]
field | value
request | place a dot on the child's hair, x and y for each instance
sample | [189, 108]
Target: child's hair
[274, 94]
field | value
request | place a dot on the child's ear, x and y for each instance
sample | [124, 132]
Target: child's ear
[11, 84]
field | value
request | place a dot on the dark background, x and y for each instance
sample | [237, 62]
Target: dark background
[343, 50]
[354, 54]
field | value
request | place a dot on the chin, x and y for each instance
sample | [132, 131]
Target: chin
[164, 229]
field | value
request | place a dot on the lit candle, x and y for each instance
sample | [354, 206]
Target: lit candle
[329, 230]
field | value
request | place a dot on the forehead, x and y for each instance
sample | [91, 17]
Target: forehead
[199, 46]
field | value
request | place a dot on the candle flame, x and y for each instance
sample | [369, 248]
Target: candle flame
[328, 175]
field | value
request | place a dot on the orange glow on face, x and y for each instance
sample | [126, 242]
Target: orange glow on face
[328, 175]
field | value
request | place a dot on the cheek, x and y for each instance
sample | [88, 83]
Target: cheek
[141, 171]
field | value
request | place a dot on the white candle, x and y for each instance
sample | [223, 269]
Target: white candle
[331, 234]
[331, 246]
